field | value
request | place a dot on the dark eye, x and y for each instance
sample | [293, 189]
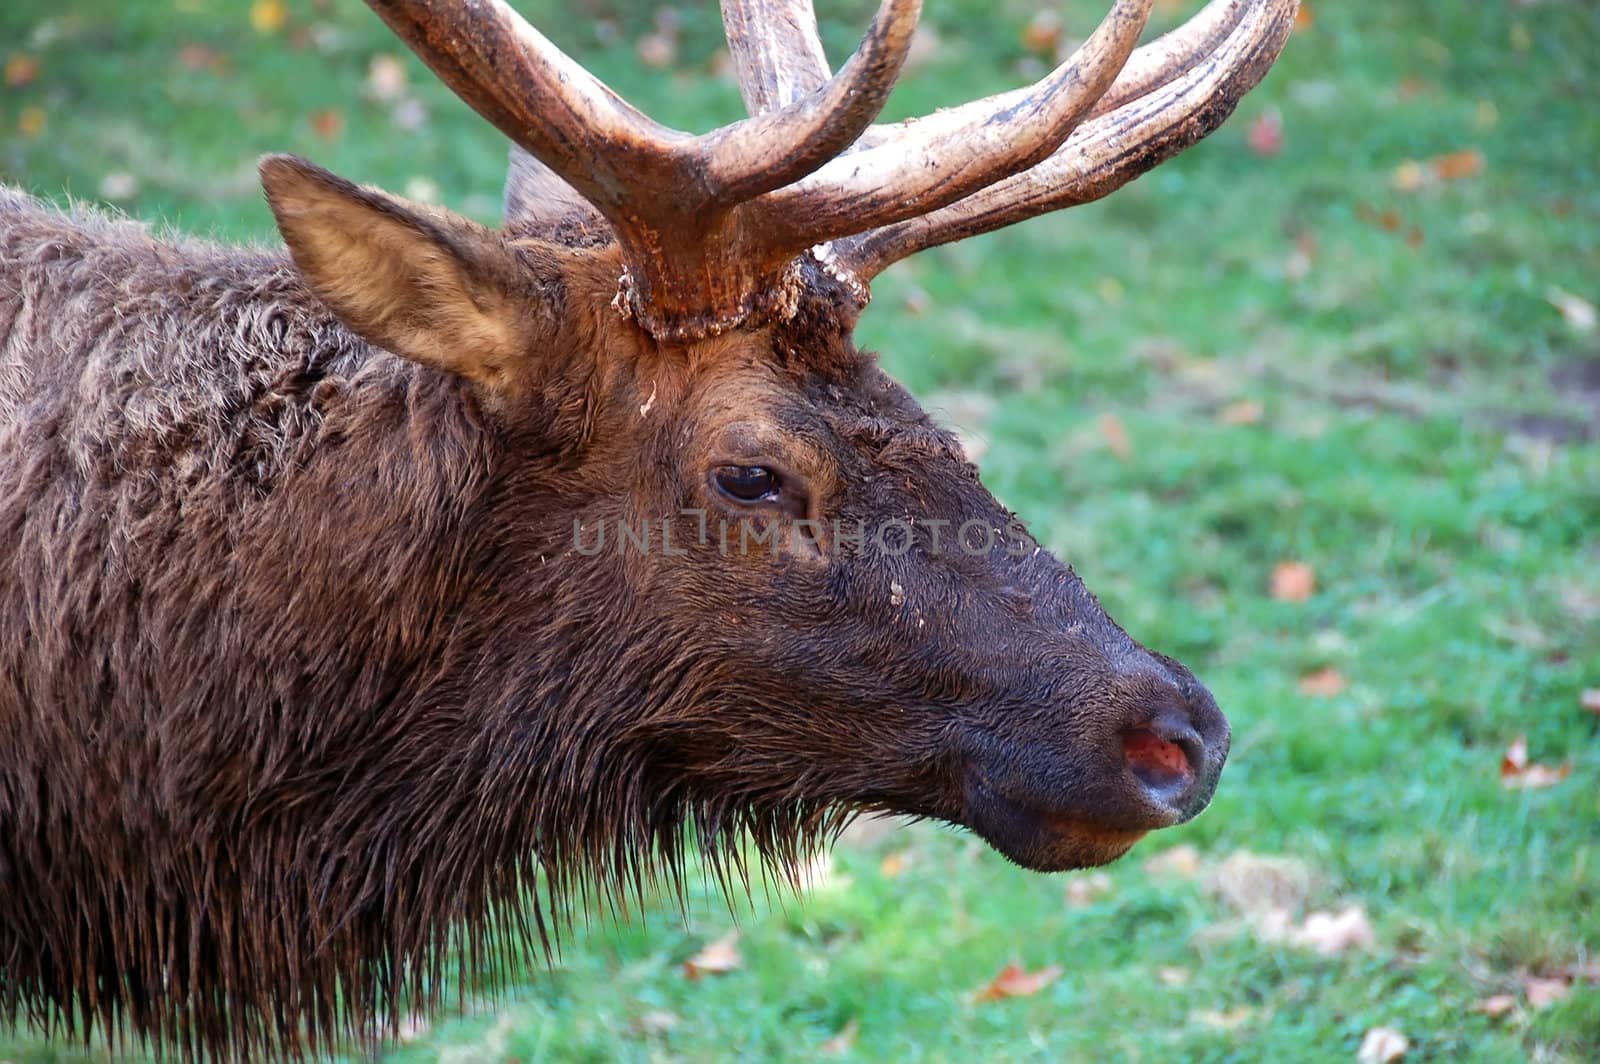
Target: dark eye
[748, 483]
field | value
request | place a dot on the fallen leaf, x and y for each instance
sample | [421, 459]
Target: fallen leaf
[327, 124]
[1304, 18]
[199, 57]
[893, 865]
[1265, 135]
[1496, 1005]
[656, 1022]
[1518, 773]
[1293, 581]
[1409, 176]
[386, 77]
[30, 122]
[1244, 412]
[425, 189]
[1116, 436]
[1225, 1021]
[716, 957]
[1412, 87]
[1323, 683]
[1331, 934]
[1173, 976]
[21, 70]
[1575, 310]
[1590, 700]
[841, 1042]
[118, 185]
[1457, 165]
[1542, 993]
[1083, 889]
[1262, 888]
[1382, 1045]
[1181, 860]
[1042, 34]
[268, 16]
[657, 50]
[1013, 981]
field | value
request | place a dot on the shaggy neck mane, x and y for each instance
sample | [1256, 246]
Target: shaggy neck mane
[415, 768]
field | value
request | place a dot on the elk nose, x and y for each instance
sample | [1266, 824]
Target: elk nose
[1176, 748]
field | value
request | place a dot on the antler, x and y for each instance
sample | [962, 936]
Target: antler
[711, 226]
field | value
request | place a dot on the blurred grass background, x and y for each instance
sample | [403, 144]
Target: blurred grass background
[1349, 338]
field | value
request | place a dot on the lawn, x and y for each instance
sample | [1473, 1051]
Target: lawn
[1351, 337]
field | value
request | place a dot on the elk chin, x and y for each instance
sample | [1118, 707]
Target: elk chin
[1038, 839]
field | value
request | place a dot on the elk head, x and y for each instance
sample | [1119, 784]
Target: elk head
[839, 617]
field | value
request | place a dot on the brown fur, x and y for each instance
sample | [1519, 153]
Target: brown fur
[304, 689]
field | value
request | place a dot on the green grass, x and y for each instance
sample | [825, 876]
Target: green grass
[1425, 442]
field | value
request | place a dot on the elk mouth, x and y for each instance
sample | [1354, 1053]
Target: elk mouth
[1038, 837]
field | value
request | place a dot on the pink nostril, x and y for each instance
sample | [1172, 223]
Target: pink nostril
[1162, 766]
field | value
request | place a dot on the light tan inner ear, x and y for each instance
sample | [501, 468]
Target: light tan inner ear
[428, 285]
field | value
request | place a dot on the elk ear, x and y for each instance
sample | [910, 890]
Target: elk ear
[426, 284]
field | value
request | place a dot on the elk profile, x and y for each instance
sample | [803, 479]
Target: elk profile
[305, 682]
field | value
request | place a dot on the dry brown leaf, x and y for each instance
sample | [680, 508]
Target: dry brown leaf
[1590, 700]
[1517, 773]
[1265, 135]
[21, 70]
[1542, 993]
[840, 1043]
[1013, 981]
[1496, 1005]
[118, 185]
[199, 57]
[1042, 34]
[1173, 976]
[30, 122]
[1409, 176]
[1331, 934]
[1181, 860]
[716, 958]
[1574, 310]
[1083, 889]
[386, 77]
[1244, 412]
[657, 50]
[656, 1022]
[327, 124]
[1382, 1045]
[1293, 581]
[1457, 165]
[1116, 436]
[893, 865]
[1304, 18]
[1322, 683]
[1225, 1021]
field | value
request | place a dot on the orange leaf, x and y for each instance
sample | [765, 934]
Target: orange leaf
[1265, 135]
[327, 124]
[1116, 436]
[268, 16]
[21, 70]
[30, 123]
[1014, 982]
[893, 865]
[1304, 18]
[1293, 581]
[1518, 773]
[199, 57]
[1042, 34]
[716, 958]
[1457, 165]
[1244, 412]
[1323, 683]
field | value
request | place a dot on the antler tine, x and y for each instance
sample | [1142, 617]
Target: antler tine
[776, 50]
[923, 164]
[1104, 154]
[1172, 55]
[773, 148]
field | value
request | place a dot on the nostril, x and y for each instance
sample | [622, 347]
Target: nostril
[1164, 766]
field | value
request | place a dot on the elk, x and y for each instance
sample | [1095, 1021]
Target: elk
[312, 689]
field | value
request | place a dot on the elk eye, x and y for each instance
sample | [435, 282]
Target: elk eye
[748, 483]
